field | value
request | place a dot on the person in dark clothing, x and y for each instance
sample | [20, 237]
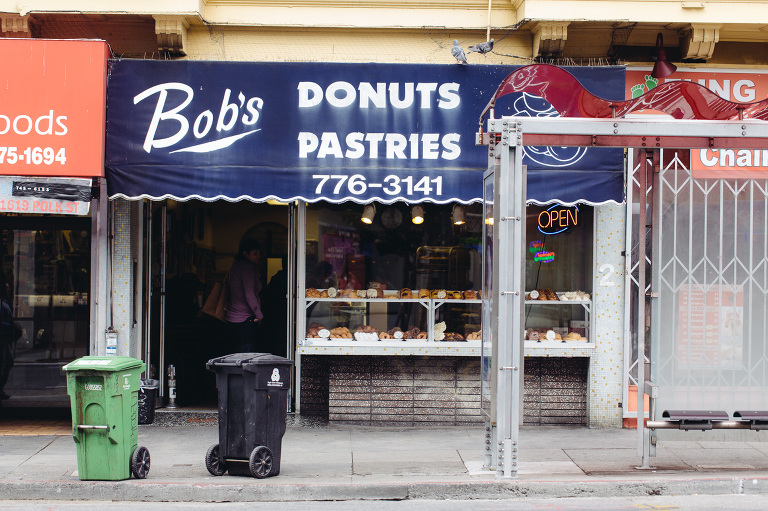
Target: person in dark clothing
[274, 301]
[10, 331]
[244, 313]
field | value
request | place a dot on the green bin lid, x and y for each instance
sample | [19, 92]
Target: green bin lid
[103, 364]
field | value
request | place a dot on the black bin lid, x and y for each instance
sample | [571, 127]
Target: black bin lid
[247, 360]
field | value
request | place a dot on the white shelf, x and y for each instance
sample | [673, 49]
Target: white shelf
[558, 349]
[394, 300]
[558, 302]
[587, 306]
[389, 347]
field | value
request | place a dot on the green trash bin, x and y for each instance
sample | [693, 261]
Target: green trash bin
[104, 395]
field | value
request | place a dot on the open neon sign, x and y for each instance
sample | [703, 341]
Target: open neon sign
[544, 257]
[535, 246]
[558, 219]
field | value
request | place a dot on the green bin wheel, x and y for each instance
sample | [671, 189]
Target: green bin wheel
[140, 462]
[214, 462]
[260, 462]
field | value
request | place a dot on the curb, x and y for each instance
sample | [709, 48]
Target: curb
[133, 490]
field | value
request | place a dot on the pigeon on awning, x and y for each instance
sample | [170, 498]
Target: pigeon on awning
[458, 53]
[482, 48]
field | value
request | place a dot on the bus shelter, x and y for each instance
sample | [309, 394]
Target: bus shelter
[672, 213]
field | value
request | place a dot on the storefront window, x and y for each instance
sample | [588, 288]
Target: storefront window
[393, 254]
[558, 269]
[46, 274]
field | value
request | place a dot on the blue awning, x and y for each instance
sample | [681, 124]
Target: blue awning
[331, 132]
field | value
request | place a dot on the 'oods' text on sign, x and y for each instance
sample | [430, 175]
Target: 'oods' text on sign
[53, 110]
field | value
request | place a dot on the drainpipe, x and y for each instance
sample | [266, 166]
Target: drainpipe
[488, 30]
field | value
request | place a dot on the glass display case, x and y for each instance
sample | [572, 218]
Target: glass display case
[392, 287]
[385, 325]
[558, 300]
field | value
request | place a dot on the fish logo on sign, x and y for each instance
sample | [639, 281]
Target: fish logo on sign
[529, 105]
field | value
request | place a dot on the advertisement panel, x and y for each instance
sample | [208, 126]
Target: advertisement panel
[734, 85]
[710, 328]
[52, 107]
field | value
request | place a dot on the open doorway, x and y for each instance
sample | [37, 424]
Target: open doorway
[191, 246]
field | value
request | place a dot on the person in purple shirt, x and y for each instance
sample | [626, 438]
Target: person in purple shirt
[244, 309]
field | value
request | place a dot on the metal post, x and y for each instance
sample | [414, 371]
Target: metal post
[301, 306]
[161, 312]
[293, 232]
[508, 293]
[644, 438]
[99, 298]
[171, 387]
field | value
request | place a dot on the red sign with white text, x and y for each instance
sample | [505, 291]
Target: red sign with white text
[52, 107]
[739, 87]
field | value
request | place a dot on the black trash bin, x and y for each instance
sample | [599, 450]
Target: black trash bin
[253, 403]
[147, 399]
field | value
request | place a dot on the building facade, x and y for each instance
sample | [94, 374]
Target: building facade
[200, 238]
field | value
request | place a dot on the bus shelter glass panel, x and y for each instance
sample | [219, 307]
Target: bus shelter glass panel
[709, 329]
[486, 388]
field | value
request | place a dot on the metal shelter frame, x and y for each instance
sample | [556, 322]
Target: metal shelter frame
[506, 138]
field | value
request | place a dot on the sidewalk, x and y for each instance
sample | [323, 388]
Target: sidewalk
[354, 462]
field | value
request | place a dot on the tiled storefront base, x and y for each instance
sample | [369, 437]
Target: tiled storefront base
[433, 391]
[555, 391]
[404, 391]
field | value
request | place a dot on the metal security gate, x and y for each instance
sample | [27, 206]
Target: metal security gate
[636, 193]
[710, 278]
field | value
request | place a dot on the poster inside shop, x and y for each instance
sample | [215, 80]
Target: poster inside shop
[710, 331]
[47, 196]
[341, 263]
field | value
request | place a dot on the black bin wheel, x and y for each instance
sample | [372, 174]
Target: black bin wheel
[260, 462]
[140, 462]
[214, 462]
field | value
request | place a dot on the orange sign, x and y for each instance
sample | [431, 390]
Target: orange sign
[52, 107]
[738, 87]
[729, 163]
[744, 87]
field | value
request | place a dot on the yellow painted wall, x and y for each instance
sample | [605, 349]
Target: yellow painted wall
[402, 47]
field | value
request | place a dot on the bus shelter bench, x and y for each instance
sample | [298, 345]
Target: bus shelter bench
[758, 419]
[705, 420]
[695, 419]
[690, 419]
